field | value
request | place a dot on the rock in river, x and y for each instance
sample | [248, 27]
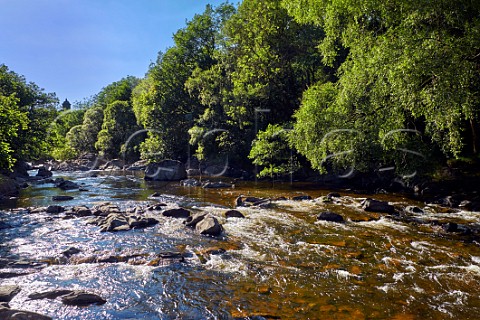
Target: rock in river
[80, 298]
[62, 198]
[330, 216]
[234, 214]
[8, 292]
[209, 226]
[373, 205]
[176, 213]
[11, 314]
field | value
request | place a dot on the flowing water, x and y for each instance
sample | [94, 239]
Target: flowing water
[279, 262]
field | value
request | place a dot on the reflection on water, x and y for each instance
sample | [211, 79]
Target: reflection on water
[279, 262]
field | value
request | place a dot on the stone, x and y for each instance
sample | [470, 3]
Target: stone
[234, 214]
[62, 198]
[82, 211]
[176, 213]
[44, 172]
[333, 195]
[115, 222]
[301, 198]
[55, 209]
[12, 314]
[217, 185]
[414, 210]
[67, 185]
[7, 292]
[194, 219]
[450, 227]
[373, 205]
[71, 251]
[330, 216]
[155, 195]
[50, 294]
[209, 226]
[80, 298]
[140, 223]
[166, 170]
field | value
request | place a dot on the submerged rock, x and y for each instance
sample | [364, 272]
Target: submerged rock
[62, 198]
[217, 185]
[191, 183]
[330, 216]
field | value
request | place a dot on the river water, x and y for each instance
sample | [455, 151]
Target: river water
[277, 263]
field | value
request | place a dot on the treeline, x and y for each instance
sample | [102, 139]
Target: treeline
[335, 85]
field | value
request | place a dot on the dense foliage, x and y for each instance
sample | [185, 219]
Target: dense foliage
[365, 85]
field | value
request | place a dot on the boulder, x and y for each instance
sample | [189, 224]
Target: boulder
[414, 210]
[166, 170]
[194, 219]
[209, 226]
[62, 198]
[301, 198]
[82, 211]
[12, 314]
[140, 223]
[176, 213]
[138, 166]
[80, 298]
[7, 292]
[193, 172]
[333, 195]
[242, 201]
[54, 294]
[114, 222]
[8, 187]
[233, 214]
[67, 185]
[55, 209]
[71, 251]
[44, 172]
[330, 216]
[450, 227]
[115, 164]
[373, 205]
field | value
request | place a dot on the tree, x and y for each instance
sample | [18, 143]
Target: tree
[271, 151]
[119, 124]
[411, 79]
[161, 102]
[28, 139]
[11, 121]
[265, 62]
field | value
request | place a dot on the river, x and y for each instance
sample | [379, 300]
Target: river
[280, 262]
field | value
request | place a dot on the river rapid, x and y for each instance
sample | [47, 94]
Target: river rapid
[279, 262]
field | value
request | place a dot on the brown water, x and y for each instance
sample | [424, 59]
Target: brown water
[279, 262]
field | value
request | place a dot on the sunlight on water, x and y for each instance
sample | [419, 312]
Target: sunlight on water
[278, 262]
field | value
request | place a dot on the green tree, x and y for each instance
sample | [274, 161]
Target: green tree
[30, 139]
[412, 67]
[265, 62]
[161, 102]
[119, 124]
[271, 150]
[11, 121]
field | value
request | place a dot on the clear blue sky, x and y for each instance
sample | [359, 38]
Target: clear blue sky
[76, 47]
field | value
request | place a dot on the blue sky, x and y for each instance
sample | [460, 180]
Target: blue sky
[76, 47]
